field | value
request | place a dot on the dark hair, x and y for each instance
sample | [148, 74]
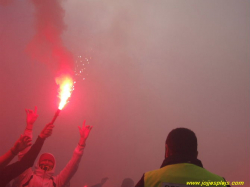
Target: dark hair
[127, 182]
[182, 140]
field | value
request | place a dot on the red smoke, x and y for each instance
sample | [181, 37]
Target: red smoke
[47, 46]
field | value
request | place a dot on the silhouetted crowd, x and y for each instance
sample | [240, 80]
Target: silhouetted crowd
[181, 166]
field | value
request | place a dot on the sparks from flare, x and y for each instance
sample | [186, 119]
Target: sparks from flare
[81, 67]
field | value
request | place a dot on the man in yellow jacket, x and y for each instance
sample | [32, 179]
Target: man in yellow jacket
[181, 167]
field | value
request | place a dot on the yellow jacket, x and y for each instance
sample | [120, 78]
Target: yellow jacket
[180, 175]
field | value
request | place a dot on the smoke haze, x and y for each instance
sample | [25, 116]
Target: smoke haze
[47, 45]
[155, 66]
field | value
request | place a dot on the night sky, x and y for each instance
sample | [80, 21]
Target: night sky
[152, 66]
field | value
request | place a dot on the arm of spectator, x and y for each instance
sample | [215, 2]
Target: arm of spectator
[23, 167]
[31, 117]
[70, 169]
[21, 144]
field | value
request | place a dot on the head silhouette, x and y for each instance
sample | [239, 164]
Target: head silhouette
[127, 182]
[181, 141]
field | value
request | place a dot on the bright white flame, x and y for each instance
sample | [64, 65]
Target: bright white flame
[66, 85]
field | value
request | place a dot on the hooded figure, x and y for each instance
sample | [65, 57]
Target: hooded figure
[43, 174]
[44, 171]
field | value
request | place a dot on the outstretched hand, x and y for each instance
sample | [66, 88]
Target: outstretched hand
[31, 116]
[21, 144]
[47, 131]
[85, 130]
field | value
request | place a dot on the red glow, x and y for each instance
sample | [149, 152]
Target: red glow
[65, 83]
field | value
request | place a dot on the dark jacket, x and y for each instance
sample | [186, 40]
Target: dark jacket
[13, 170]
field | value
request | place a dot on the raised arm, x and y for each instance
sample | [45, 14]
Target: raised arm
[21, 144]
[20, 167]
[84, 133]
[31, 117]
[67, 173]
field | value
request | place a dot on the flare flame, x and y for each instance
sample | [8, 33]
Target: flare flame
[65, 83]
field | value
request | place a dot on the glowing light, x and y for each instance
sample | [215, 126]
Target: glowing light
[65, 83]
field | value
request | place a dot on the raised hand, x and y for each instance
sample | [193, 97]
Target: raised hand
[85, 130]
[47, 131]
[31, 117]
[21, 144]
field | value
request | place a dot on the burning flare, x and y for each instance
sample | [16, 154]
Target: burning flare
[66, 86]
